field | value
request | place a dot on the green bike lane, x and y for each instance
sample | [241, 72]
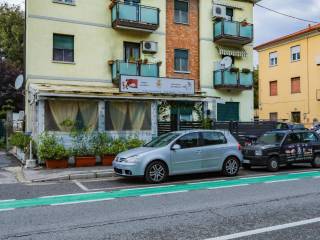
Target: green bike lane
[6, 205]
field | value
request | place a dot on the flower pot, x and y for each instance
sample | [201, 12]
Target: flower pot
[107, 160]
[57, 163]
[87, 161]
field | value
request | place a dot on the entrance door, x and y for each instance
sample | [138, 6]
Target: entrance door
[131, 51]
[189, 157]
[228, 111]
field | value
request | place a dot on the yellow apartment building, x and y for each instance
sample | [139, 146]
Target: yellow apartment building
[289, 72]
[110, 65]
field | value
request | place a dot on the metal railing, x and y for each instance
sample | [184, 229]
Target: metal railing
[237, 79]
[120, 67]
[233, 29]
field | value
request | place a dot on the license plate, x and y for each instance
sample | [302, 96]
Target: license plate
[246, 161]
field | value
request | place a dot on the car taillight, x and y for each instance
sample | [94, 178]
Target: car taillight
[239, 147]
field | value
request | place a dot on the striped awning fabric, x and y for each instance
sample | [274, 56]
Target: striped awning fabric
[227, 3]
[236, 52]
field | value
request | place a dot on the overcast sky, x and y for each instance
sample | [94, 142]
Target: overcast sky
[269, 25]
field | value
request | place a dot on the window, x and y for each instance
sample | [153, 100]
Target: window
[273, 88]
[181, 59]
[292, 138]
[63, 48]
[128, 116]
[181, 11]
[295, 85]
[229, 13]
[189, 141]
[295, 53]
[213, 138]
[308, 137]
[296, 117]
[69, 2]
[131, 51]
[273, 59]
[273, 116]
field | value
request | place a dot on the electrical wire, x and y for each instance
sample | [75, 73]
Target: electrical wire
[286, 15]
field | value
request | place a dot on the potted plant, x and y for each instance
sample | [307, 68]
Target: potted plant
[112, 150]
[145, 61]
[101, 143]
[159, 63]
[246, 70]
[139, 61]
[244, 23]
[110, 62]
[234, 69]
[83, 151]
[53, 153]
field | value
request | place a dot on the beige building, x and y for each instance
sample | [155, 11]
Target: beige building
[289, 71]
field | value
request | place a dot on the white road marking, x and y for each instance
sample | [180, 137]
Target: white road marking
[196, 183]
[80, 185]
[266, 229]
[7, 200]
[284, 180]
[317, 177]
[295, 173]
[141, 188]
[239, 185]
[245, 178]
[74, 194]
[7, 209]
[86, 201]
[164, 193]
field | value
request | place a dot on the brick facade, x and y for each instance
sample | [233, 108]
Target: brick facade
[183, 36]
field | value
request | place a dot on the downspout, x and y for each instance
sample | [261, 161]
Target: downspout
[308, 74]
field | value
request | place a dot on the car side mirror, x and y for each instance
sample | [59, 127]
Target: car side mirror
[176, 147]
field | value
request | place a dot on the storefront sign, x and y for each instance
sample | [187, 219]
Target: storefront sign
[137, 84]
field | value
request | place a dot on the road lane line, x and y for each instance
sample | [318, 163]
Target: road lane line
[297, 173]
[7, 200]
[317, 177]
[80, 185]
[266, 229]
[85, 201]
[74, 194]
[284, 180]
[8, 209]
[239, 185]
[163, 193]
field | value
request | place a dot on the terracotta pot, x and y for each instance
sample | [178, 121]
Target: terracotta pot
[57, 163]
[87, 161]
[107, 160]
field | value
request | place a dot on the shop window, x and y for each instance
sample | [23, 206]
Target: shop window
[273, 88]
[295, 53]
[181, 60]
[273, 59]
[181, 11]
[65, 116]
[63, 48]
[295, 85]
[128, 116]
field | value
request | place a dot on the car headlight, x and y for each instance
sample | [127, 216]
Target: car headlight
[258, 152]
[132, 159]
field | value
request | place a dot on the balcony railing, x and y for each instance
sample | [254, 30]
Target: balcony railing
[232, 33]
[133, 69]
[227, 79]
[135, 16]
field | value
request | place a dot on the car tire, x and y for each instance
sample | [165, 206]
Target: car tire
[246, 166]
[273, 164]
[156, 172]
[316, 161]
[231, 167]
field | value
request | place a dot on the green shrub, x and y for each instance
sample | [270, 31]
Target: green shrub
[2, 143]
[100, 142]
[116, 146]
[49, 148]
[82, 145]
[134, 143]
[20, 140]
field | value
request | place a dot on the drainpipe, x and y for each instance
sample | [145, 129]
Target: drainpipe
[308, 74]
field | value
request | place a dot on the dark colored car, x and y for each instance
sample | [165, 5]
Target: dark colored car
[280, 148]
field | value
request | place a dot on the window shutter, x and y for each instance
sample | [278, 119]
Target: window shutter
[295, 50]
[273, 88]
[295, 85]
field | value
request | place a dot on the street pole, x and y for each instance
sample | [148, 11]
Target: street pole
[8, 126]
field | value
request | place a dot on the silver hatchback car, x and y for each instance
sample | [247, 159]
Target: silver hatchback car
[182, 152]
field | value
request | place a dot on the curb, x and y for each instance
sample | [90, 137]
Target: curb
[78, 176]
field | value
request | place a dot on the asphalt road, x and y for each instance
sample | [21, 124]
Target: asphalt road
[264, 206]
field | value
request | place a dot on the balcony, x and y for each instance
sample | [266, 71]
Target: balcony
[227, 79]
[232, 33]
[133, 69]
[135, 17]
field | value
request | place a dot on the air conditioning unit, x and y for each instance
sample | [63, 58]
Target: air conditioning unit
[219, 11]
[149, 47]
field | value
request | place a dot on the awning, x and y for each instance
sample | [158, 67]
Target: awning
[47, 90]
[236, 52]
[227, 3]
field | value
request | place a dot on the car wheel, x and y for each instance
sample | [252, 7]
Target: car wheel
[273, 164]
[316, 161]
[231, 167]
[246, 166]
[156, 172]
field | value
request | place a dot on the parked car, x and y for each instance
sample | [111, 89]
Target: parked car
[181, 152]
[279, 148]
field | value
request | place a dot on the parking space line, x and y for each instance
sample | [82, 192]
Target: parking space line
[284, 180]
[239, 185]
[81, 186]
[266, 229]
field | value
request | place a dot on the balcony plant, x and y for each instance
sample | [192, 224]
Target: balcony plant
[145, 61]
[52, 152]
[110, 62]
[139, 61]
[234, 69]
[246, 70]
[113, 2]
[244, 23]
[132, 59]
[83, 150]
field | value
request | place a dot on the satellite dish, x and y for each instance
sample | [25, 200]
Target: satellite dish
[19, 82]
[226, 62]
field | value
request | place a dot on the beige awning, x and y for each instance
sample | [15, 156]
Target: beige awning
[227, 3]
[47, 90]
[236, 52]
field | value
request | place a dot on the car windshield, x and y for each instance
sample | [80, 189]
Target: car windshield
[271, 138]
[162, 140]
